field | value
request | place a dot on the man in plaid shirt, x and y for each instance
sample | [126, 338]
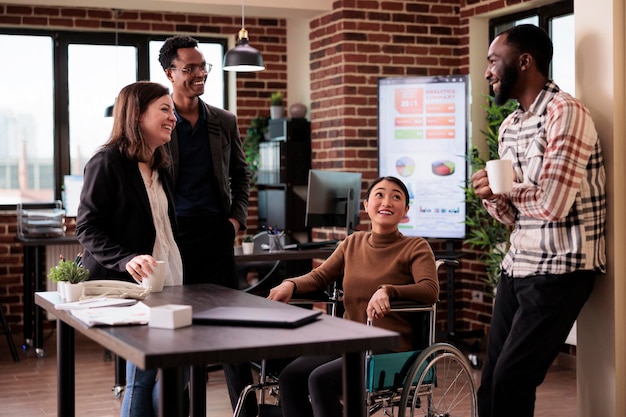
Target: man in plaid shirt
[557, 209]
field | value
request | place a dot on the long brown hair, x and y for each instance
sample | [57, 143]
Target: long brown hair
[131, 103]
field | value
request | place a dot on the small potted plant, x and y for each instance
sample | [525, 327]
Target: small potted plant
[277, 111]
[69, 276]
[247, 245]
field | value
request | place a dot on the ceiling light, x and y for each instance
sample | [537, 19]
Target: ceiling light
[243, 57]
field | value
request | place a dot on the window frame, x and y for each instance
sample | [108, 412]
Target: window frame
[544, 13]
[61, 40]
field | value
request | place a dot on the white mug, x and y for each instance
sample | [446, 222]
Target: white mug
[155, 280]
[500, 174]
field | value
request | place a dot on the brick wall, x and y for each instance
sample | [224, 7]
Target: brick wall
[253, 90]
[351, 48]
[359, 41]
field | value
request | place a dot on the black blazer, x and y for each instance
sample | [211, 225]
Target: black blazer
[114, 221]
[232, 174]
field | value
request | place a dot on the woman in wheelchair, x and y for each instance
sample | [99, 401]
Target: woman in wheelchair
[374, 267]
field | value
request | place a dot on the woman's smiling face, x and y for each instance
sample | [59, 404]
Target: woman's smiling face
[386, 205]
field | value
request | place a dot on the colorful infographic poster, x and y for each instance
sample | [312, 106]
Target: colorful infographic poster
[422, 139]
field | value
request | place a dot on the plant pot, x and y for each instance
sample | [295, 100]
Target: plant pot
[61, 289]
[297, 111]
[277, 112]
[247, 248]
[73, 292]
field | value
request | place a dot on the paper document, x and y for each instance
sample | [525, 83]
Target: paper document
[96, 303]
[114, 316]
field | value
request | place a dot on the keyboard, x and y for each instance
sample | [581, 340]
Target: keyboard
[311, 245]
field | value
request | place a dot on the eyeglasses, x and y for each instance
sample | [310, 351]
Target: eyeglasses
[191, 69]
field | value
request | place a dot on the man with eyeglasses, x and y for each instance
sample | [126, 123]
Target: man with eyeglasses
[212, 183]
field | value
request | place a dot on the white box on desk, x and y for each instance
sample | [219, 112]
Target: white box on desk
[170, 316]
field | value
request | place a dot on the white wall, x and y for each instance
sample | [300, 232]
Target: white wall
[599, 28]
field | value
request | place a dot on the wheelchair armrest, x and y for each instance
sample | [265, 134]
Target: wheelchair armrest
[410, 305]
[312, 298]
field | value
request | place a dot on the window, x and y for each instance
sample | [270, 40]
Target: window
[558, 20]
[55, 96]
[91, 89]
[26, 119]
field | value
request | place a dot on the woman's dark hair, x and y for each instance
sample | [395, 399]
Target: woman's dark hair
[131, 103]
[534, 41]
[169, 50]
[396, 181]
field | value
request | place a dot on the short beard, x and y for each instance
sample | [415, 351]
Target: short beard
[507, 83]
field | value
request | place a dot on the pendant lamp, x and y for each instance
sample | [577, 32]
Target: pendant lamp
[243, 57]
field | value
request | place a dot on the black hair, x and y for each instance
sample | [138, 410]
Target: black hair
[396, 181]
[534, 41]
[169, 50]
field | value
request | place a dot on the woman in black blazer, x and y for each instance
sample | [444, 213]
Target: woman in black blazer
[126, 219]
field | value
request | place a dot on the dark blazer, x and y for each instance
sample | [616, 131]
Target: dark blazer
[230, 168]
[114, 221]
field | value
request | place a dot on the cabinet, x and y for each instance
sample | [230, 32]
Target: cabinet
[285, 160]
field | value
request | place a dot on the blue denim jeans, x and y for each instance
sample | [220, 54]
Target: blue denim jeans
[141, 396]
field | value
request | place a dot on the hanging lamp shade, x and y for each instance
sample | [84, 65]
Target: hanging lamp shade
[243, 57]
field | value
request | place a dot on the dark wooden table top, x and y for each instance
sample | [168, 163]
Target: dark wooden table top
[199, 344]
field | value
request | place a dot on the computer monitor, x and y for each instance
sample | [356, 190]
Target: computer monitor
[72, 186]
[333, 199]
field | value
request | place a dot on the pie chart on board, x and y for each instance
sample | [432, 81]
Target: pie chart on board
[405, 166]
[443, 168]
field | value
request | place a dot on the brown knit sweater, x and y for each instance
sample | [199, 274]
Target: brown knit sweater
[366, 261]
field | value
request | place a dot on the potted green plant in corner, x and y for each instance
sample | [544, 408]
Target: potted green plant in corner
[69, 275]
[277, 111]
[483, 231]
[254, 135]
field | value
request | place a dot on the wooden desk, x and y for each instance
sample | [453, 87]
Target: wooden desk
[35, 277]
[286, 255]
[197, 345]
[34, 280]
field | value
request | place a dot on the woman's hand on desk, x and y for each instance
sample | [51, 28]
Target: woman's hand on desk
[282, 292]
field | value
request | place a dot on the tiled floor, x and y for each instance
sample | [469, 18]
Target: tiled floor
[28, 388]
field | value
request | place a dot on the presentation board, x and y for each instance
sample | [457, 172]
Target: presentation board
[422, 139]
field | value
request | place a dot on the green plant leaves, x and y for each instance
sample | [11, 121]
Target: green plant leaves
[483, 231]
[254, 135]
[69, 272]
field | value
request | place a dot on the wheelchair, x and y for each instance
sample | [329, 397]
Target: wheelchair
[435, 382]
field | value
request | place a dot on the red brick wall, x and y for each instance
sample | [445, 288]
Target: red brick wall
[359, 41]
[253, 90]
[351, 48]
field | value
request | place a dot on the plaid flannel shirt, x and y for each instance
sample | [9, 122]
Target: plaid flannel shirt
[558, 203]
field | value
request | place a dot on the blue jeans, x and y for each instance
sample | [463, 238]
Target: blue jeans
[141, 396]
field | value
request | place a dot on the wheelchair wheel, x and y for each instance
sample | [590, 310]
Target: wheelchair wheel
[439, 384]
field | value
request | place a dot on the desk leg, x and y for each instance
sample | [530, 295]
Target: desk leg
[29, 295]
[353, 371]
[39, 280]
[171, 392]
[65, 373]
[197, 391]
